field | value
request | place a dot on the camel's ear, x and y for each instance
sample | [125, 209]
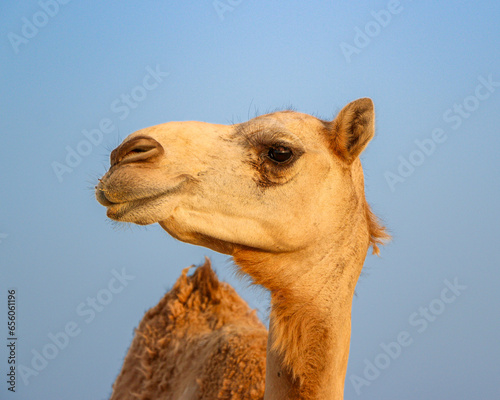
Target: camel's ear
[352, 129]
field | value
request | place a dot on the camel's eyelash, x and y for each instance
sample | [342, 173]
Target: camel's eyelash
[263, 139]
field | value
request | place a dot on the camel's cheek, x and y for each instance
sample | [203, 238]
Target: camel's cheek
[222, 231]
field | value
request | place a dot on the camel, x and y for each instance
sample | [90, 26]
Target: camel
[283, 194]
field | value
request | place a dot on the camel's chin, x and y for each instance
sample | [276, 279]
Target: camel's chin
[122, 213]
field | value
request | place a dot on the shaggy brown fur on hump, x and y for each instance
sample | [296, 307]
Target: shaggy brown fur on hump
[201, 341]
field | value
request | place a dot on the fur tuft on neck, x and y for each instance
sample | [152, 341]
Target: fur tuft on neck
[301, 338]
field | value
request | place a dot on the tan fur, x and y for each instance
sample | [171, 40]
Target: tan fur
[301, 333]
[378, 232]
[201, 341]
[301, 229]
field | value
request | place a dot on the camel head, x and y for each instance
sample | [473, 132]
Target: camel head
[273, 184]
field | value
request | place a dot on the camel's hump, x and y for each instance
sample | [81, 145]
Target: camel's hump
[201, 341]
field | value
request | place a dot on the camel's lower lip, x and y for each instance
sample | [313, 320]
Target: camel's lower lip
[118, 211]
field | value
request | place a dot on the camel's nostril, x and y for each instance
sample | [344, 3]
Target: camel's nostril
[139, 154]
[142, 147]
[139, 149]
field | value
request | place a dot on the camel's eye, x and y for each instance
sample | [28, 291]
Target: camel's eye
[280, 154]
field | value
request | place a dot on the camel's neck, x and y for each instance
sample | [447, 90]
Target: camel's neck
[308, 349]
[310, 321]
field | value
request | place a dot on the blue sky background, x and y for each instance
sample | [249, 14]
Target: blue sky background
[57, 248]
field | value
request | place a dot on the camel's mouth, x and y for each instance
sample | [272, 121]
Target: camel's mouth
[126, 205]
[121, 211]
[101, 197]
